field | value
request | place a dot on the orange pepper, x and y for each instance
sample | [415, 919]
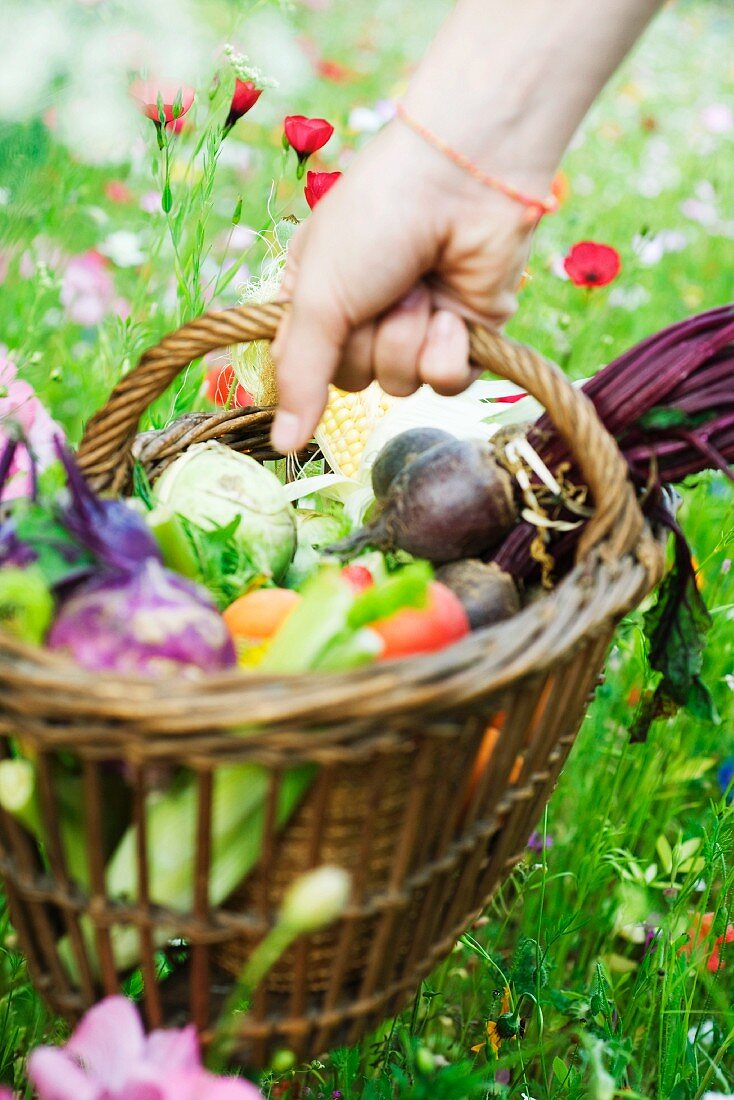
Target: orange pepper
[259, 614]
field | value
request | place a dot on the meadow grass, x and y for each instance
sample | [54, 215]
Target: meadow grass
[581, 950]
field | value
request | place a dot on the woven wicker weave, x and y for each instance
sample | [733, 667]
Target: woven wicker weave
[398, 798]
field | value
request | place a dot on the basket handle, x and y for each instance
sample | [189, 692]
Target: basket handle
[106, 448]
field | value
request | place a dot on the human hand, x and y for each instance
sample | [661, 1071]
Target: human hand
[381, 274]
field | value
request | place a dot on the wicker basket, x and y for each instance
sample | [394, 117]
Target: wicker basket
[398, 798]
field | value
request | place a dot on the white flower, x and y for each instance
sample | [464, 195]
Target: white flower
[652, 249]
[704, 213]
[629, 297]
[316, 899]
[718, 118]
[123, 248]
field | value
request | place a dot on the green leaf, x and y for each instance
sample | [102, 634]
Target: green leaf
[560, 1070]
[665, 853]
[59, 556]
[661, 418]
[406, 588]
[676, 627]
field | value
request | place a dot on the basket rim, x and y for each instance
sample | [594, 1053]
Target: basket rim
[39, 684]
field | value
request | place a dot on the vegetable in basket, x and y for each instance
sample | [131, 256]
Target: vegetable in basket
[26, 604]
[452, 501]
[144, 623]
[213, 486]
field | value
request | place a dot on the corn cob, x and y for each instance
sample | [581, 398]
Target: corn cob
[347, 423]
[348, 419]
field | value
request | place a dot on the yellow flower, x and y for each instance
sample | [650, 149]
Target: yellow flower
[493, 1037]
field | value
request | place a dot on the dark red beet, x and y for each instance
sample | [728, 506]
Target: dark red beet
[453, 501]
[487, 594]
[398, 452]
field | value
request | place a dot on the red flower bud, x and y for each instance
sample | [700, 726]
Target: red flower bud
[218, 386]
[306, 136]
[317, 184]
[591, 264]
[246, 95]
[148, 92]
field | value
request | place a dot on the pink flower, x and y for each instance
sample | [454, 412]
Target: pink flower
[117, 191]
[148, 92]
[19, 405]
[88, 290]
[109, 1057]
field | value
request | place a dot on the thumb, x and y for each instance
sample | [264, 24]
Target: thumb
[307, 354]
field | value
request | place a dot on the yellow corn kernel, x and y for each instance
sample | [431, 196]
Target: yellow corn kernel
[346, 425]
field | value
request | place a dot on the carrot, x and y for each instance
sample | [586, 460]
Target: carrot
[258, 614]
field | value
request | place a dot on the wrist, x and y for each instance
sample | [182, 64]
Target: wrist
[507, 84]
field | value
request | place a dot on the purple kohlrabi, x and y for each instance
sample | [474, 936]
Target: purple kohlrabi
[150, 622]
[110, 529]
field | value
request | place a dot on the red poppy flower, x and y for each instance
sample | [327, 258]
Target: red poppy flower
[117, 191]
[700, 931]
[306, 136]
[592, 264]
[246, 95]
[218, 386]
[317, 184]
[148, 92]
[333, 71]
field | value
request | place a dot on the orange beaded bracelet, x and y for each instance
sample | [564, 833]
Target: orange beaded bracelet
[543, 206]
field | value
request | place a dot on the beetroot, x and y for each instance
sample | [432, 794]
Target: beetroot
[487, 594]
[453, 501]
[401, 450]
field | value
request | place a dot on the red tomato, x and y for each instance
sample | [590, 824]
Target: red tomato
[358, 576]
[424, 629]
[218, 386]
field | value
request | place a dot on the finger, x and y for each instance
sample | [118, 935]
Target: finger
[306, 359]
[355, 370]
[444, 359]
[398, 341]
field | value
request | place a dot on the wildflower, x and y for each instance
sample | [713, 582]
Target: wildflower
[20, 405]
[171, 99]
[333, 71]
[725, 777]
[117, 191]
[88, 290]
[718, 118]
[219, 385]
[700, 931]
[537, 842]
[305, 136]
[592, 264]
[109, 1055]
[317, 184]
[123, 248]
[496, 1029]
[246, 95]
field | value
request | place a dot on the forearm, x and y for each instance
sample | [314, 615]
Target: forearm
[508, 81]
